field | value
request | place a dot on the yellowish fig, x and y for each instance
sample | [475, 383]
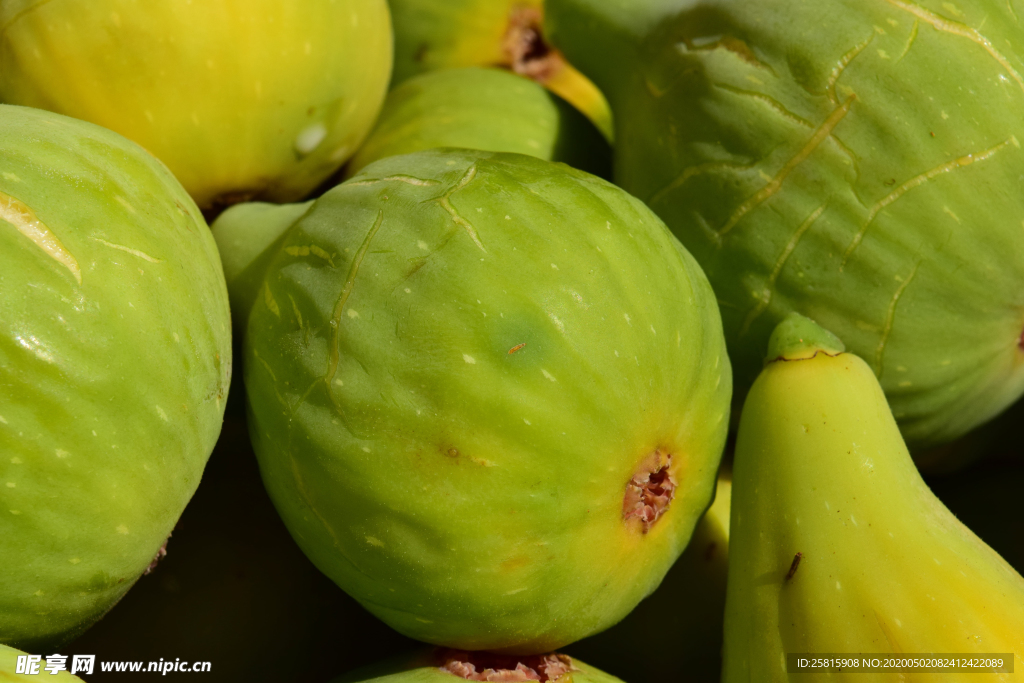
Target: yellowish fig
[837, 545]
[241, 99]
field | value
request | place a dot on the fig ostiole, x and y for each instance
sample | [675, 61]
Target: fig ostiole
[488, 394]
[115, 362]
[441, 665]
[431, 35]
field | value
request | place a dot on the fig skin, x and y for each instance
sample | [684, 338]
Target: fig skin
[115, 362]
[837, 544]
[866, 176]
[483, 108]
[241, 99]
[457, 363]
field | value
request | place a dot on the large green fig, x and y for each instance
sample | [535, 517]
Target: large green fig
[857, 161]
[440, 34]
[32, 671]
[489, 109]
[240, 98]
[837, 545]
[488, 394]
[115, 359]
[448, 666]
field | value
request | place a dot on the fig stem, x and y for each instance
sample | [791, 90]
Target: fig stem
[799, 338]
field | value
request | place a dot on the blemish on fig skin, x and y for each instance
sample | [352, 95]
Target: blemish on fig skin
[160, 554]
[650, 490]
[1020, 341]
[793, 567]
[486, 666]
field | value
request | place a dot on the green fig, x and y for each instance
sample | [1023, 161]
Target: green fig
[857, 162]
[483, 108]
[682, 620]
[440, 34]
[240, 98]
[447, 666]
[488, 394]
[11, 672]
[837, 545]
[115, 361]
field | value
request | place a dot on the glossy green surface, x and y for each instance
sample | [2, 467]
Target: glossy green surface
[838, 546]
[425, 667]
[488, 109]
[457, 363]
[241, 99]
[115, 359]
[856, 161]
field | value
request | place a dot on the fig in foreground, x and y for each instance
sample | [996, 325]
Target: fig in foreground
[115, 361]
[488, 394]
[837, 545]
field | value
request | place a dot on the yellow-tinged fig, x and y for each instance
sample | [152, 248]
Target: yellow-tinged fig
[438, 34]
[240, 98]
[837, 545]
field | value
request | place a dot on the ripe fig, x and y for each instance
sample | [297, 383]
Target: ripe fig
[450, 666]
[241, 99]
[489, 395]
[483, 108]
[837, 545]
[115, 361]
[856, 162]
[430, 34]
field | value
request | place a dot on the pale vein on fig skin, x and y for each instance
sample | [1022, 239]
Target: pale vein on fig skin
[445, 202]
[957, 29]
[766, 296]
[19, 215]
[919, 180]
[339, 307]
[128, 250]
[775, 184]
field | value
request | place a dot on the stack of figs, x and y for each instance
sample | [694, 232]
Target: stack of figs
[519, 331]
